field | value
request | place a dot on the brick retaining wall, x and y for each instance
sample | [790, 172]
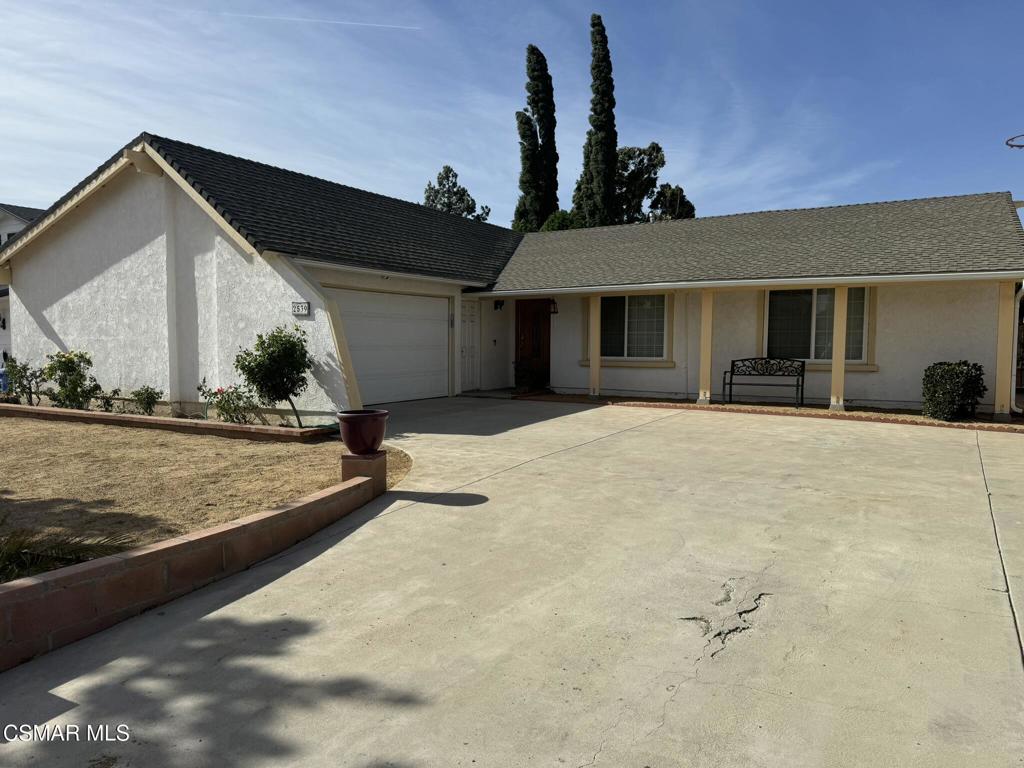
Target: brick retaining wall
[193, 426]
[44, 612]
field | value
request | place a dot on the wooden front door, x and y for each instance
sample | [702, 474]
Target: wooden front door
[533, 344]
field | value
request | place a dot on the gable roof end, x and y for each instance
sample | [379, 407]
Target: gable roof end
[310, 218]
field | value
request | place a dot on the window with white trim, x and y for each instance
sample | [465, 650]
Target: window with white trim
[799, 324]
[633, 327]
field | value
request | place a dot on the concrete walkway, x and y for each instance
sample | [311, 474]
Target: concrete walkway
[571, 586]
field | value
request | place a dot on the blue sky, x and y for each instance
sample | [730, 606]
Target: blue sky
[758, 105]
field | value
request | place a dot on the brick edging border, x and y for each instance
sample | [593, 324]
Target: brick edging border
[189, 426]
[866, 416]
[44, 612]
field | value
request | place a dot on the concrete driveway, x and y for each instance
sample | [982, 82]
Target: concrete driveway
[570, 586]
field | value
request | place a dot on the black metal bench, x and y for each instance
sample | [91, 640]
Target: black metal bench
[754, 367]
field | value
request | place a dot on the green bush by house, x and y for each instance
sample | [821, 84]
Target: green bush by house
[952, 390]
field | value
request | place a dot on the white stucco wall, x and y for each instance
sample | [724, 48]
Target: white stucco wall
[915, 325]
[147, 283]
[5, 330]
[96, 281]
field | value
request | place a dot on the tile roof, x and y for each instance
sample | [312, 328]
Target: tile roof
[311, 218]
[23, 212]
[967, 233]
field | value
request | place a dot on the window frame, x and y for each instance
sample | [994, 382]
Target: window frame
[665, 361]
[864, 356]
[625, 327]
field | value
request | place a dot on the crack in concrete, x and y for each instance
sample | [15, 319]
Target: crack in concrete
[705, 623]
[741, 625]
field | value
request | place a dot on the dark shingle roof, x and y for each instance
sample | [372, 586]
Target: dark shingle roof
[968, 233]
[23, 212]
[311, 218]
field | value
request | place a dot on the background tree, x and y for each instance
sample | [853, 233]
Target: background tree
[276, 367]
[594, 197]
[670, 202]
[560, 220]
[636, 179]
[527, 217]
[451, 197]
[538, 177]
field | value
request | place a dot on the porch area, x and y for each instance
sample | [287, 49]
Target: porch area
[864, 346]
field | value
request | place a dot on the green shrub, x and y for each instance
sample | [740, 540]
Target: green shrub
[276, 367]
[24, 381]
[70, 372]
[24, 553]
[106, 399]
[235, 404]
[952, 390]
[145, 398]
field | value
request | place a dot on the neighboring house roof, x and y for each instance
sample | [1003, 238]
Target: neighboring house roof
[938, 235]
[22, 212]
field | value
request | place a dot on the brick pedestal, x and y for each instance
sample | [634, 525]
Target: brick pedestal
[373, 466]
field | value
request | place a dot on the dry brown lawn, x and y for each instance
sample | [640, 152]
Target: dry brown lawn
[97, 480]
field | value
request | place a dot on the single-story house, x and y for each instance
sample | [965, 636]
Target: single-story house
[169, 257]
[13, 218]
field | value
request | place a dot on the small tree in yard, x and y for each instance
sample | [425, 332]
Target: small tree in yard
[24, 381]
[276, 367]
[70, 372]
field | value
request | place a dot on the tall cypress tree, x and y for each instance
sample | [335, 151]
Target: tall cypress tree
[538, 177]
[540, 98]
[527, 215]
[594, 198]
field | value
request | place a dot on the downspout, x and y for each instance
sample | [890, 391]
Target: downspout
[1016, 349]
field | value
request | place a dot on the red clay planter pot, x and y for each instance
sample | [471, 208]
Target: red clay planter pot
[363, 430]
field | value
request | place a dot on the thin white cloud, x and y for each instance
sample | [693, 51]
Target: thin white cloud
[302, 20]
[385, 112]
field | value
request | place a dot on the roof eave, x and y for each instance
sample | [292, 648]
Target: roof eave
[772, 282]
[386, 273]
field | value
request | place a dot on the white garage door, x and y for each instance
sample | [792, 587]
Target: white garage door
[398, 342]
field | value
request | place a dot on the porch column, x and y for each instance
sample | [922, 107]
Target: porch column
[707, 306]
[838, 349]
[1004, 352]
[595, 346]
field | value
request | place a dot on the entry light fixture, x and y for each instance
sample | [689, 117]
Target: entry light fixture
[499, 304]
[554, 306]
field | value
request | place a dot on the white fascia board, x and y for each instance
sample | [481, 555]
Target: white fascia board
[367, 271]
[766, 283]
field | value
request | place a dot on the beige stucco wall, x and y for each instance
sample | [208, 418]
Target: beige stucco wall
[916, 325]
[497, 350]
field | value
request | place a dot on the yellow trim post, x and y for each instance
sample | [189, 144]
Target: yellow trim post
[595, 346]
[707, 307]
[839, 349]
[1004, 351]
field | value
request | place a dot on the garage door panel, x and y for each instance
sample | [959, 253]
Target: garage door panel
[398, 343]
